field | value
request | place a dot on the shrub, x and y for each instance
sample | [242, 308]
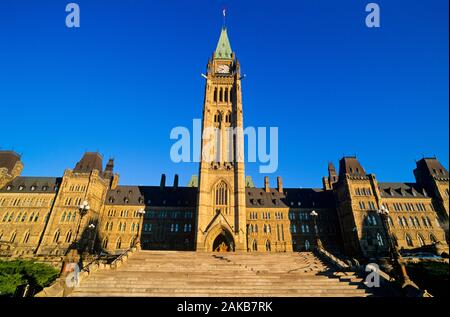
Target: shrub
[19, 272]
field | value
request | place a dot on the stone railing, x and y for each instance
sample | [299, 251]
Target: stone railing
[63, 285]
[332, 259]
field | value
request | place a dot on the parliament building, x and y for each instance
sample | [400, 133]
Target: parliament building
[221, 209]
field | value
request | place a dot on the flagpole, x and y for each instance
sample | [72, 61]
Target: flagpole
[224, 13]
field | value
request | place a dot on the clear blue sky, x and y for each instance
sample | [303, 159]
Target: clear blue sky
[131, 73]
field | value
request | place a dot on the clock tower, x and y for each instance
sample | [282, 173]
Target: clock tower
[221, 216]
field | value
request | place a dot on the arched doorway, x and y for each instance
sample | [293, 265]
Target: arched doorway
[223, 242]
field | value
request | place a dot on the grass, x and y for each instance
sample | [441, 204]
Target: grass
[432, 276]
[17, 273]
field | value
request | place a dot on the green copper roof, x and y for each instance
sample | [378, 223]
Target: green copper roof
[223, 50]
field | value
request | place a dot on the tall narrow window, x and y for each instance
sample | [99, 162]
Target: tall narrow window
[380, 239]
[409, 241]
[13, 237]
[215, 94]
[221, 194]
[421, 240]
[105, 243]
[69, 236]
[56, 237]
[26, 237]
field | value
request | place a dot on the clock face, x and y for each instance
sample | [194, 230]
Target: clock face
[223, 69]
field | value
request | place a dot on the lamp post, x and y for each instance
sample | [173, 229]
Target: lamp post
[314, 215]
[396, 257]
[141, 213]
[73, 250]
[91, 228]
[82, 210]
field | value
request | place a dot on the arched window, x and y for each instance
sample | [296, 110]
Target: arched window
[405, 223]
[118, 243]
[56, 236]
[416, 221]
[105, 243]
[421, 241]
[26, 237]
[307, 245]
[424, 221]
[400, 222]
[69, 236]
[107, 226]
[380, 239]
[267, 245]
[221, 194]
[409, 241]
[433, 238]
[13, 237]
[221, 95]
[255, 245]
[293, 228]
[226, 94]
[390, 222]
[215, 94]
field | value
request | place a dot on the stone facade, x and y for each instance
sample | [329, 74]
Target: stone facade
[220, 210]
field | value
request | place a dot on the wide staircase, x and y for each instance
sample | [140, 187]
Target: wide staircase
[172, 273]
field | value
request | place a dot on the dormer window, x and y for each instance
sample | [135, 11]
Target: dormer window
[298, 203]
[126, 200]
[44, 187]
[8, 187]
[149, 201]
[111, 200]
[33, 188]
[21, 187]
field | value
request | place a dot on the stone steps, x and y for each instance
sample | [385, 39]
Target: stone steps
[185, 274]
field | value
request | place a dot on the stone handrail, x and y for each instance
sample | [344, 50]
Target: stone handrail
[60, 287]
[332, 259]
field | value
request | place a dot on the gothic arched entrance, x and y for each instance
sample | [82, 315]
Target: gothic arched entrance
[223, 242]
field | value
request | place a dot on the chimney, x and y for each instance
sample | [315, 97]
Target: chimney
[175, 182]
[266, 184]
[279, 184]
[163, 181]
